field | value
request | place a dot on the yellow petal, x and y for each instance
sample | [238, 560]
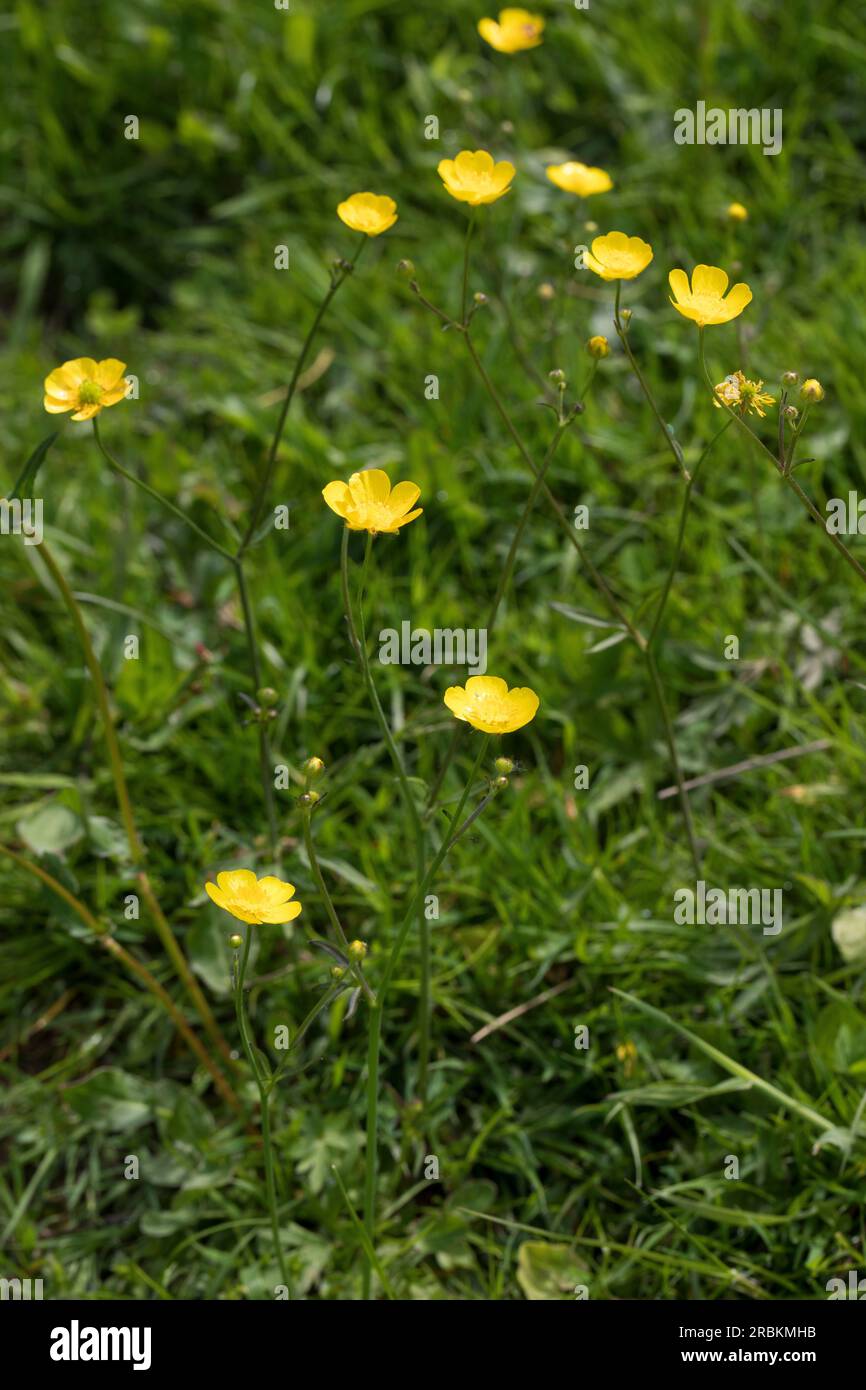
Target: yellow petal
[216, 895]
[404, 520]
[337, 496]
[403, 496]
[286, 912]
[373, 485]
[275, 891]
[236, 881]
[56, 407]
[87, 412]
[709, 280]
[79, 369]
[737, 300]
[109, 372]
[679, 283]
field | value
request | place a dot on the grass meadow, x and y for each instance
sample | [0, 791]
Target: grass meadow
[654, 1110]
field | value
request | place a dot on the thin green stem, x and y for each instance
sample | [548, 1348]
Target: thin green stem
[469, 230]
[263, 1089]
[622, 334]
[265, 758]
[157, 496]
[691, 479]
[315, 867]
[358, 634]
[449, 839]
[339, 276]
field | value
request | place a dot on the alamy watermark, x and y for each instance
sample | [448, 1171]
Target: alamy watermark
[443, 646]
[736, 127]
[746, 907]
[22, 517]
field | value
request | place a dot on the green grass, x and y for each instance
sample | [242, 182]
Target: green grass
[254, 124]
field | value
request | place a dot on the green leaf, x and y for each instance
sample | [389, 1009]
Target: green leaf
[548, 1272]
[51, 829]
[111, 1099]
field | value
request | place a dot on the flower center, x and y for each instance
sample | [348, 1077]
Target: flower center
[89, 393]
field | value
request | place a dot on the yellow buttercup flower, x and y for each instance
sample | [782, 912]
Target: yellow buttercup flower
[618, 257]
[743, 395]
[516, 30]
[487, 704]
[476, 178]
[85, 386]
[369, 503]
[704, 300]
[252, 899]
[370, 213]
[581, 179]
[598, 346]
[737, 212]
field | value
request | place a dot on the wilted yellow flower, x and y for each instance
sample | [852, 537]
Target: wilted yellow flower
[581, 179]
[252, 899]
[737, 212]
[616, 256]
[598, 346]
[812, 390]
[370, 213]
[704, 300]
[487, 704]
[369, 503]
[475, 178]
[739, 393]
[516, 30]
[85, 386]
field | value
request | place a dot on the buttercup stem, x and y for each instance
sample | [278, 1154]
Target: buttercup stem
[374, 1045]
[236, 562]
[337, 280]
[691, 479]
[469, 230]
[265, 759]
[360, 644]
[622, 334]
[263, 1089]
[157, 496]
[316, 870]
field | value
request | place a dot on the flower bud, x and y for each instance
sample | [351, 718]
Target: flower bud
[309, 798]
[235, 941]
[504, 766]
[791, 412]
[625, 316]
[314, 767]
[267, 696]
[790, 378]
[500, 783]
[546, 290]
[557, 376]
[598, 346]
[357, 950]
[337, 972]
[812, 390]
[737, 213]
[406, 268]
[590, 226]
[480, 298]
